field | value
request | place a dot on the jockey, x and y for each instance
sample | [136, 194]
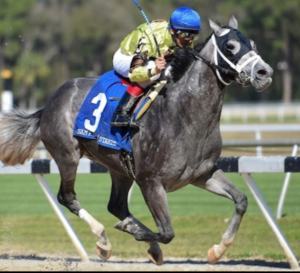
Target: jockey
[138, 59]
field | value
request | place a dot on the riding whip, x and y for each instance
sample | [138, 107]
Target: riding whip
[149, 24]
[160, 84]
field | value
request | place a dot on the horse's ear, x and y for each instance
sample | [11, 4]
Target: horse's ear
[215, 27]
[233, 22]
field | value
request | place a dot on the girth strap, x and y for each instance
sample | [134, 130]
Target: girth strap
[128, 163]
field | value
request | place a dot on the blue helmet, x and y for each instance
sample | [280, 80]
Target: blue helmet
[185, 18]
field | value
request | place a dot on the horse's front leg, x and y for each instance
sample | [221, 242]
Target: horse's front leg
[156, 200]
[118, 206]
[141, 233]
[216, 182]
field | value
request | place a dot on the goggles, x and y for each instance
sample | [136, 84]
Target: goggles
[187, 35]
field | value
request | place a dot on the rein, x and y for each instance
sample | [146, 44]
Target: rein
[212, 65]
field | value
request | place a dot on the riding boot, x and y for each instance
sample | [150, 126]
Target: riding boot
[122, 114]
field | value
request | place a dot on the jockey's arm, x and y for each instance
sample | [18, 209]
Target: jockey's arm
[141, 72]
[139, 42]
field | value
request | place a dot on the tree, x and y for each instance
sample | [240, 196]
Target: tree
[11, 26]
[75, 38]
[30, 69]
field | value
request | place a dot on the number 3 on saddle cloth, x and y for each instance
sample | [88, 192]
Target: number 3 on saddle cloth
[94, 117]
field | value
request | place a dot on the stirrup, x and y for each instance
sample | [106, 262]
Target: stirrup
[120, 124]
[130, 124]
[133, 124]
[120, 120]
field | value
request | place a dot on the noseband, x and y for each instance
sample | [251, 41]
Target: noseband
[237, 69]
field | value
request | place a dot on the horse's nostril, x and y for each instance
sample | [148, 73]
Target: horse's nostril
[262, 73]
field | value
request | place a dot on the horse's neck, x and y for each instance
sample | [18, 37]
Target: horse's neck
[198, 98]
[194, 101]
[200, 86]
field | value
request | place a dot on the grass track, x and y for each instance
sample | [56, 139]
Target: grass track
[28, 223]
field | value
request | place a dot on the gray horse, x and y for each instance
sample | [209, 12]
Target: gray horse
[178, 143]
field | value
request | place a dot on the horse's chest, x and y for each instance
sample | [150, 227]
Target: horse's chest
[189, 174]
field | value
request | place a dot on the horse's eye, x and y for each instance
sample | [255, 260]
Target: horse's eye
[229, 48]
[232, 47]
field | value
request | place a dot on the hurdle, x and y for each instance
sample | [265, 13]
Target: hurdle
[245, 165]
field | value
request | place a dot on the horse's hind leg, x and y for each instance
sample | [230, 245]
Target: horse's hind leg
[216, 182]
[67, 162]
[118, 206]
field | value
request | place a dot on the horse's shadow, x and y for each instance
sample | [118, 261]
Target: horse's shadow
[256, 262]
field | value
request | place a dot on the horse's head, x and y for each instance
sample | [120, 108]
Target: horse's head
[238, 54]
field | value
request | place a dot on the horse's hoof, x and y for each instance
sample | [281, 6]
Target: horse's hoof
[104, 252]
[156, 257]
[211, 256]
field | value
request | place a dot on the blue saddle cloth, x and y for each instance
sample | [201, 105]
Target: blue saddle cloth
[95, 114]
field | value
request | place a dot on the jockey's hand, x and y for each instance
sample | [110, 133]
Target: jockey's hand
[169, 55]
[160, 63]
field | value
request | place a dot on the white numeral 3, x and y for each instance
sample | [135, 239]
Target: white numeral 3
[97, 113]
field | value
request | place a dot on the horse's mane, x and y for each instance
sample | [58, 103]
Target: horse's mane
[183, 58]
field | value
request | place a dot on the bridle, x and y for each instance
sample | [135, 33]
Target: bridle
[237, 69]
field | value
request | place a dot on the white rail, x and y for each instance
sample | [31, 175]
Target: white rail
[261, 111]
[242, 128]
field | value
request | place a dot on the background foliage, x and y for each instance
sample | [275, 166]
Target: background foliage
[47, 42]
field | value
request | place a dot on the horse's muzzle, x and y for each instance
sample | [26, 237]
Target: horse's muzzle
[260, 80]
[261, 85]
[263, 78]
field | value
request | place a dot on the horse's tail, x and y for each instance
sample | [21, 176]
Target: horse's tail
[19, 136]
